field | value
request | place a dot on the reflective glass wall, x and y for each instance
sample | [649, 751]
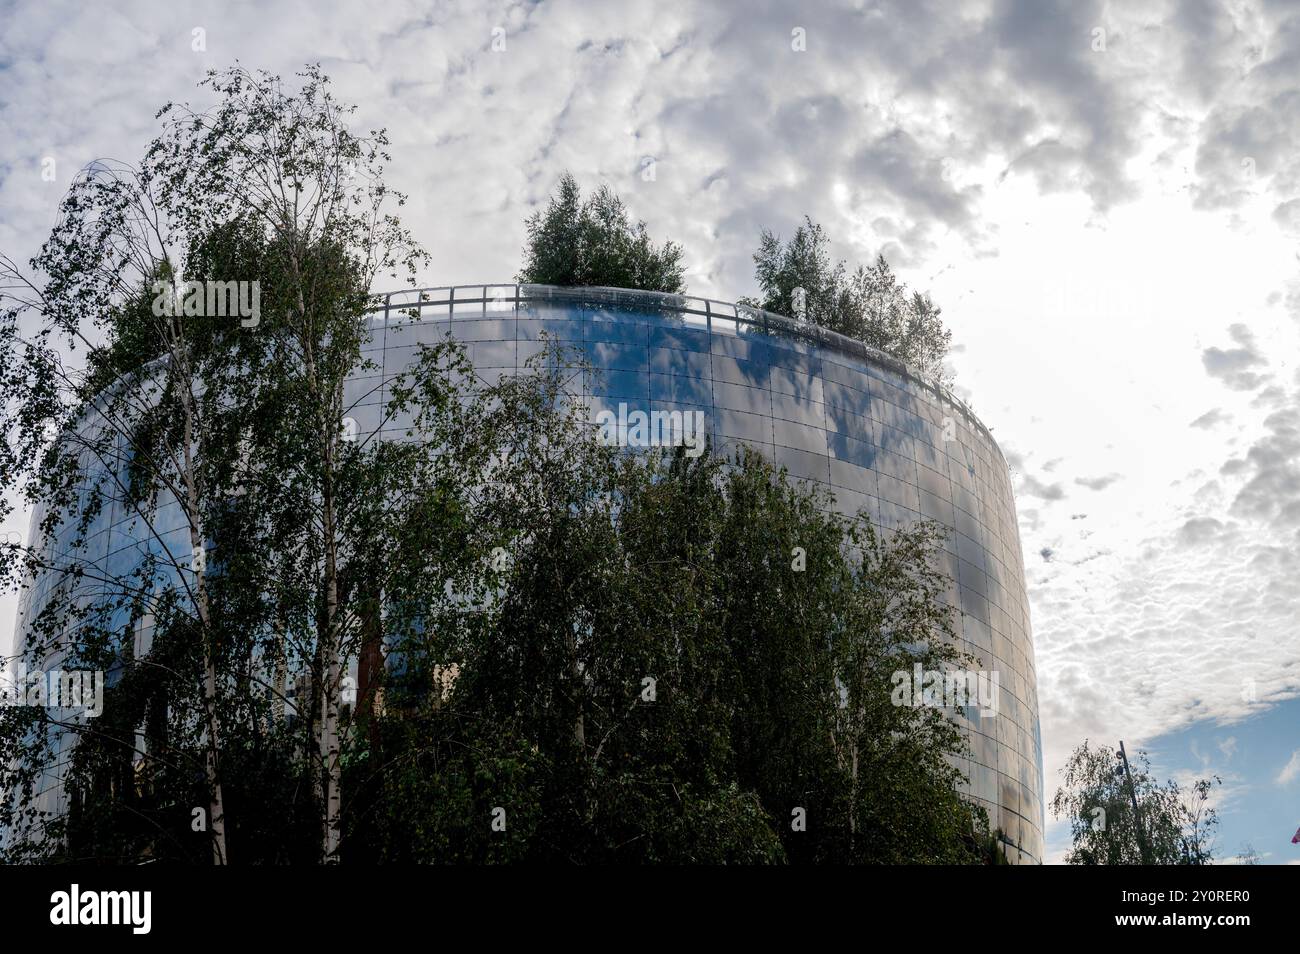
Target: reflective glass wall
[826, 408]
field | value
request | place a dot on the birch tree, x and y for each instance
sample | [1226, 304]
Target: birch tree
[798, 277]
[283, 161]
[124, 432]
[267, 189]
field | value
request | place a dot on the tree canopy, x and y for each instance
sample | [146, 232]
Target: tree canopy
[680, 661]
[593, 241]
[799, 278]
[1173, 826]
[221, 435]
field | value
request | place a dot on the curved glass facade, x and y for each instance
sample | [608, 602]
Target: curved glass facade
[827, 408]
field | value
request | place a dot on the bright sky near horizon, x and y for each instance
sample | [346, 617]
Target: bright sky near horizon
[1104, 199]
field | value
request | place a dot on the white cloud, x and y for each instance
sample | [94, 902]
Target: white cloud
[1291, 771]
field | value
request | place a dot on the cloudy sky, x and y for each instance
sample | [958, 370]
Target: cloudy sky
[1105, 199]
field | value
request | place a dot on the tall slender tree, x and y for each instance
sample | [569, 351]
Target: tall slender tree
[178, 407]
[1172, 826]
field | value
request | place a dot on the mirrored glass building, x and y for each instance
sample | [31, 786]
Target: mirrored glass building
[828, 409]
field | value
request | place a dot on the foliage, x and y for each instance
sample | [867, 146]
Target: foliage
[798, 278]
[222, 434]
[594, 242]
[1176, 826]
[652, 678]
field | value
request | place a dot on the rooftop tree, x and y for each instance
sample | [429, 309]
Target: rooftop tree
[595, 242]
[799, 278]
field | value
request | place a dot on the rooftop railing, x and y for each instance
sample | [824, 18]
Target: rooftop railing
[473, 301]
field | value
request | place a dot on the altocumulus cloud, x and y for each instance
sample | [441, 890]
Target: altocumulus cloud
[1235, 366]
[1098, 483]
